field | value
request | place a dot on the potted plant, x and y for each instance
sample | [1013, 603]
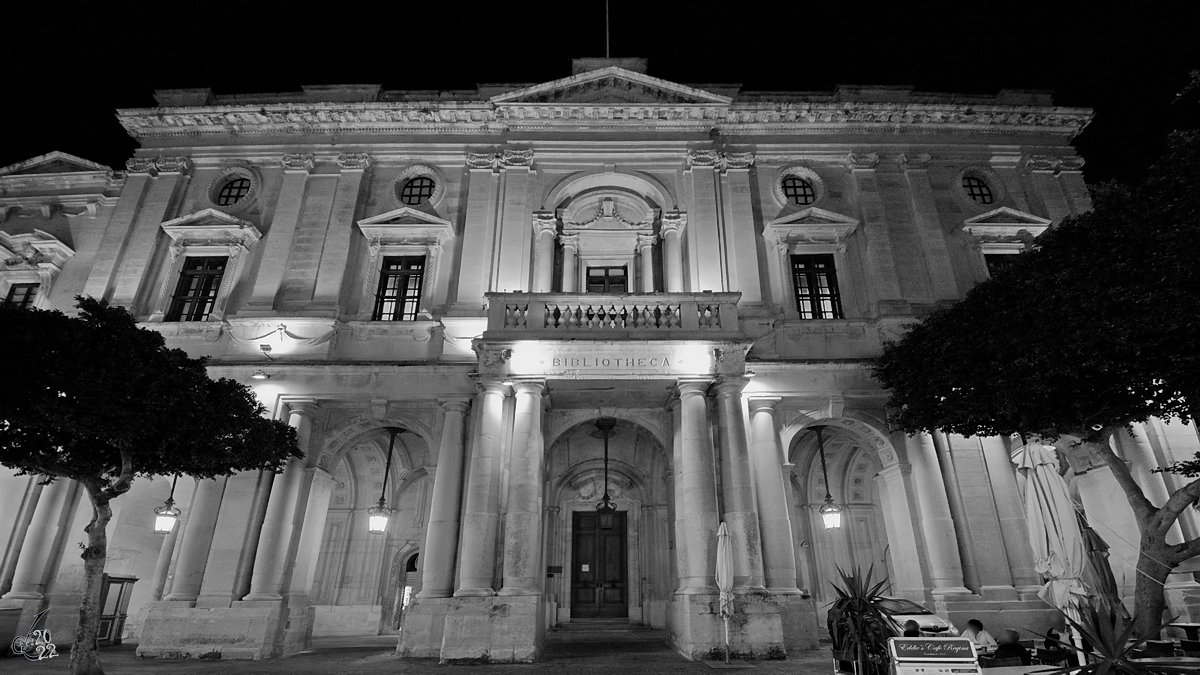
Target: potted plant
[1113, 646]
[858, 626]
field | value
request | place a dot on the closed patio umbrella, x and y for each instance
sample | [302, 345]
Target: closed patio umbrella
[1058, 545]
[725, 579]
[1099, 575]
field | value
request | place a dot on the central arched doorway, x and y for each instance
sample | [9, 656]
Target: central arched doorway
[623, 569]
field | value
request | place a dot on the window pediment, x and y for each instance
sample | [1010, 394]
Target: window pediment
[211, 227]
[407, 225]
[810, 225]
[1004, 224]
[53, 163]
[28, 251]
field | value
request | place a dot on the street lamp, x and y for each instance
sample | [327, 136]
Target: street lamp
[377, 516]
[831, 514]
[166, 515]
[606, 509]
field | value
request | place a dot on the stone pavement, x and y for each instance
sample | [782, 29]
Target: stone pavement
[601, 655]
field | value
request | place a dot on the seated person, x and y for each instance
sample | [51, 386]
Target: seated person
[912, 629]
[1010, 647]
[983, 640]
[1060, 637]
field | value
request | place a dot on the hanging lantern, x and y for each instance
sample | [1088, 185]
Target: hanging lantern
[606, 509]
[831, 514]
[377, 516]
[166, 515]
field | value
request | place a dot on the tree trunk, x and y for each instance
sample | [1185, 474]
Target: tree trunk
[85, 655]
[1149, 599]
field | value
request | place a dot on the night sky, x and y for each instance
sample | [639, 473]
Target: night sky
[69, 65]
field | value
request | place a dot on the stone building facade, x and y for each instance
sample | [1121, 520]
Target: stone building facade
[492, 271]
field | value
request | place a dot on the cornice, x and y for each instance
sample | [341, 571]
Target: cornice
[486, 117]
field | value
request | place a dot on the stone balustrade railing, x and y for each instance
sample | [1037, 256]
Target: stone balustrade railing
[604, 316]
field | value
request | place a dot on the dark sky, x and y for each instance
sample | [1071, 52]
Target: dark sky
[69, 65]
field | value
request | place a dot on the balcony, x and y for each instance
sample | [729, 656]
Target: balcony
[590, 316]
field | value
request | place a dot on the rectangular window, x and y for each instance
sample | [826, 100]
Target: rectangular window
[21, 295]
[399, 295]
[997, 261]
[196, 292]
[817, 294]
[607, 280]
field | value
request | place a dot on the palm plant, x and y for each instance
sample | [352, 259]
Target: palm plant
[1113, 645]
[858, 626]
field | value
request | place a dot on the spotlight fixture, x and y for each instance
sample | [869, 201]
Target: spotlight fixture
[260, 375]
[166, 515]
[266, 350]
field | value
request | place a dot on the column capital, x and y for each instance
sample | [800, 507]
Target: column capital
[544, 222]
[569, 241]
[529, 386]
[492, 387]
[703, 158]
[914, 162]
[306, 407]
[731, 386]
[303, 163]
[861, 162]
[645, 241]
[693, 387]
[458, 405]
[673, 222]
[359, 161]
[673, 403]
[762, 402]
[516, 158]
[482, 161]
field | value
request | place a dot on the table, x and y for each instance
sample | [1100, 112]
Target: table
[1170, 661]
[1192, 629]
[1017, 670]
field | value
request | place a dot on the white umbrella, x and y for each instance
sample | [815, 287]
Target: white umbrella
[725, 579]
[1058, 545]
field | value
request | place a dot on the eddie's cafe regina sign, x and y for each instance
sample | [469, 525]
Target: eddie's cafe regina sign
[933, 656]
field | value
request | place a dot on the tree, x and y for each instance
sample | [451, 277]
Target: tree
[98, 400]
[1095, 328]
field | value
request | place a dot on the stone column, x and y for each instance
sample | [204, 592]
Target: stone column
[898, 500]
[116, 233]
[25, 509]
[1009, 509]
[276, 534]
[336, 251]
[681, 564]
[672, 233]
[972, 576]
[482, 513]
[707, 252]
[937, 260]
[645, 249]
[513, 247]
[162, 565]
[937, 525]
[738, 218]
[277, 244]
[50, 518]
[779, 553]
[441, 539]
[1139, 454]
[698, 489]
[479, 231]
[144, 237]
[545, 227]
[522, 523]
[883, 282]
[193, 551]
[737, 481]
[570, 245]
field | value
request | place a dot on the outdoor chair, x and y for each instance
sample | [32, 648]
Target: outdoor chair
[987, 662]
[1053, 657]
[1156, 648]
[1190, 647]
[1028, 644]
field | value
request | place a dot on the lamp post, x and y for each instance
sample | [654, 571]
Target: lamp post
[166, 515]
[606, 509]
[831, 514]
[377, 516]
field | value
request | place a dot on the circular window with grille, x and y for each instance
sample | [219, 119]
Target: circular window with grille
[233, 189]
[417, 190]
[419, 184]
[798, 186]
[979, 188]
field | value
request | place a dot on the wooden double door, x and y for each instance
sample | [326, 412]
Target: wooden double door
[599, 567]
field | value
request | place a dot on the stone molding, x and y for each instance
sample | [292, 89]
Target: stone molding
[570, 241]
[160, 164]
[861, 161]
[298, 162]
[291, 119]
[914, 161]
[545, 222]
[511, 158]
[1052, 163]
[672, 222]
[360, 161]
[721, 161]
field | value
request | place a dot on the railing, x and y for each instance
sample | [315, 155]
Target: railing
[653, 314]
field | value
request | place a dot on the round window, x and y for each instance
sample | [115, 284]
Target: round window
[233, 191]
[416, 190]
[798, 191]
[978, 190]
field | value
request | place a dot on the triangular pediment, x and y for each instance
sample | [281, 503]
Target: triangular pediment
[407, 225]
[32, 249]
[809, 225]
[1005, 223]
[210, 226]
[611, 86]
[53, 163]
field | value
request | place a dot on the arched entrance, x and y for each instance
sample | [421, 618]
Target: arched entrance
[623, 569]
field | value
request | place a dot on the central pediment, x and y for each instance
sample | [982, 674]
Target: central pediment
[611, 86]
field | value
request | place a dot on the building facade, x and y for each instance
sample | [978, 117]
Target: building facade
[474, 279]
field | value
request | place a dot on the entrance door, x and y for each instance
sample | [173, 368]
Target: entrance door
[599, 567]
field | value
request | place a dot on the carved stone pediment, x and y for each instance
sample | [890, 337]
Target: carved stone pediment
[407, 225]
[612, 85]
[811, 225]
[53, 163]
[1004, 224]
[211, 227]
[29, 251]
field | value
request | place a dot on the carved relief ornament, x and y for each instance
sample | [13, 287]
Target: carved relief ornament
[298, 162]
[358, 161]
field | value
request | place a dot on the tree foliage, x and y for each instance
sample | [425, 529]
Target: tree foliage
[1095, 328]
[96, 399]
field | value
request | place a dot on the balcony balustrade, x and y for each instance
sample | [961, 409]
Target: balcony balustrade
[607, 317]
